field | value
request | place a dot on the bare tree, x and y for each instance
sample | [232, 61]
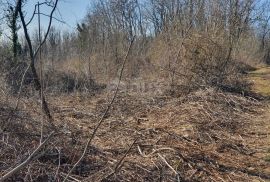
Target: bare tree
[33, 54]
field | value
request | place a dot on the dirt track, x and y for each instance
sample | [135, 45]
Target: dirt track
[260, 128]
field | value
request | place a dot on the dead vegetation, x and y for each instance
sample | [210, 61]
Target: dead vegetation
[200, 137]
[182, 108]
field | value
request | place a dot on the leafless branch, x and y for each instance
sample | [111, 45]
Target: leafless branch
[119, 164]
[32, 17]
[48, 29]
[18, 98]
[34, 54]
[52, 17]
[27, 161]
[174, 171]
[104, 114]
[117, 167]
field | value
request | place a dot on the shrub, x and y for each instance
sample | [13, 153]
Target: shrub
[56, 81]
[200, 60]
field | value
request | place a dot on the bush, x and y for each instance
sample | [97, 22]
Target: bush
[201, 60]
[56, 81]
[12, 74]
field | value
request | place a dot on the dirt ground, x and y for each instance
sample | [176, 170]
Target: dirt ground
[260, 129]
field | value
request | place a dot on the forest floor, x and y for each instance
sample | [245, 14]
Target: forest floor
[207, 135]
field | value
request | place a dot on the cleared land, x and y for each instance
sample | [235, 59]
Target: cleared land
[207, 135]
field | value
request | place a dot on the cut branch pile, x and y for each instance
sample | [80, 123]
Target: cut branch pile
[199, 137]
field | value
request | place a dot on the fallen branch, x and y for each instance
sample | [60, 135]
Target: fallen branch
[27, 161]
[119, 164]
[174, 171]
[71, 177]
[153, 152]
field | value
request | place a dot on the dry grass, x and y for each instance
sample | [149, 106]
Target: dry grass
[260, 81]
[198, 60]
[199, 137]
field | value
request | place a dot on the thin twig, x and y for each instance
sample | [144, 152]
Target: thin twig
[164, 160]
[117, 167]
[17, 100]
[27, 161]
[71, 177]
[33, 54]
[52, 17]
[59, 163]
[119, 164]
[104, 114]
[48, 29]
[153, 152]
